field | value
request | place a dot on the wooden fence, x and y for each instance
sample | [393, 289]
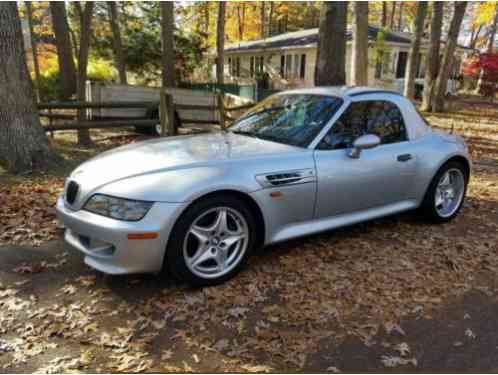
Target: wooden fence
[166, 105]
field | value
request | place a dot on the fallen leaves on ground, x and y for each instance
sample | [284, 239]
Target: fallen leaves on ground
[360, 281]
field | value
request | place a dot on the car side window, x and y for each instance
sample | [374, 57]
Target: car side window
[379, 117]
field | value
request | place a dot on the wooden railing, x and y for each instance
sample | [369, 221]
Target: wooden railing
[167, 109]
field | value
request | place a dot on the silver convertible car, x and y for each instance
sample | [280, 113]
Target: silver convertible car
[299, 162]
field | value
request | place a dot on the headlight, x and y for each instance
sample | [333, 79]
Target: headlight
[117, 208]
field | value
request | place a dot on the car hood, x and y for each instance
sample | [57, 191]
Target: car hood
[173, 153]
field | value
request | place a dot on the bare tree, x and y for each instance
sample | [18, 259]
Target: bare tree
[241, 16]
[117, 46]
[167, 33]
[262, 30]
[270, 18]
[393, 12]
[331, 55]
[85, 31]
[474, 36]
[64, 51]
[359, 76]
[34, 49]
[492, 33]
[220, 43]
[380, 54]
[23, 144]
[400, 17]
[414, 55]
[448, 57]
[432, 64]
[383, 17]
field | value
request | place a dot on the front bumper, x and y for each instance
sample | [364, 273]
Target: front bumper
[105, 243]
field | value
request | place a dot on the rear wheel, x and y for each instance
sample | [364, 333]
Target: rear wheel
[444, 198]
[211, 241]
[156, 128]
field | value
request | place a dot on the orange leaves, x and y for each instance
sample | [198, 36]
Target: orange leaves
[27, 213]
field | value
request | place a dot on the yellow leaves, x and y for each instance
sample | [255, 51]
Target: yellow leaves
[485, 12]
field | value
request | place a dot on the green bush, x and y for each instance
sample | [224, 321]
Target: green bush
[50, 80]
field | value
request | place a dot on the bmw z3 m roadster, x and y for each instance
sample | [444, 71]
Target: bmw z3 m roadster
[299, 162]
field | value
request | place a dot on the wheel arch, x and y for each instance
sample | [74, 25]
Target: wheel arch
[459, 158]
[244, 197]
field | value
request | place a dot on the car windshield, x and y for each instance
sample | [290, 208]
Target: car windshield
[292, 119]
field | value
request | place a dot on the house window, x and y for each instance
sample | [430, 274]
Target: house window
[261, 64]
[252, 66]
[282, 66]
[401, 67]
[288, 66]
[295, 71]
[230, 65]
[237, 67]
[302, 72]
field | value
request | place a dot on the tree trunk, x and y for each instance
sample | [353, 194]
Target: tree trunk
[64, 52]
[414, 55]
[116, 42]
[331, 55]
[432, 65]
[379, 54]
[383, 18]
[262, 30]
[270, 19]
[359, 71]
[85, 31]
[241, 12]
[448, 57]
[393, 12]
[474, 36]
[220, 43]
[34, 51]
[23, 144]
[400, 19]
[492, 33]
[167, 35]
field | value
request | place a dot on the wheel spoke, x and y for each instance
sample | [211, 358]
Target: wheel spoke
[445, 181]
[201, 255]
[221, 259]
[201, 233]
[221, 224]
[233, 239]
[439, 197]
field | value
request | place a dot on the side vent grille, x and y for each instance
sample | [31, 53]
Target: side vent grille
[286, 177]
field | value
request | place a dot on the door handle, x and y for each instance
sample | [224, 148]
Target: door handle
[404, 157]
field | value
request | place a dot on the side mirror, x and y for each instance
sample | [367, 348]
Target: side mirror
[363, 143]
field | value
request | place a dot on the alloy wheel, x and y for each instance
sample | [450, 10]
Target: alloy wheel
[216, 242]
[449, 192]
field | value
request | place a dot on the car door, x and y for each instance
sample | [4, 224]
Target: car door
[379, 177]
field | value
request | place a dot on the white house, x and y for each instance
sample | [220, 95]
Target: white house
[289, 58]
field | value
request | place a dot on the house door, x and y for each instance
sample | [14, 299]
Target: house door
[401, 67]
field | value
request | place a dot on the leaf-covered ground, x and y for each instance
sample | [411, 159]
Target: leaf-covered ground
[372, 296]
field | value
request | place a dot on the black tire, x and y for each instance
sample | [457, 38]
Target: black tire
[428, 207]
[174, 260]
[151, 130]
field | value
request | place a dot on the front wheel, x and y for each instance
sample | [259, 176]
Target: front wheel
[444, 198]
[211, 241]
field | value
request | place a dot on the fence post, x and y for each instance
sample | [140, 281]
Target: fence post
[221, 108]
[50, 122]
[167, 114]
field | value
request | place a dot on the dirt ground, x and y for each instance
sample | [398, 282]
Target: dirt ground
[396, 294]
